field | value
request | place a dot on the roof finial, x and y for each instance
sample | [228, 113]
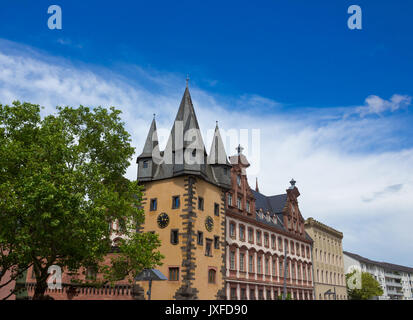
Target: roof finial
[239, 149]
[216, 123]
[154, 115]
[256, 185]
[187, 79]
[292, 182]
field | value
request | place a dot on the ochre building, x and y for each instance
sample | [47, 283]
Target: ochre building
[184, 194]
[329, 278]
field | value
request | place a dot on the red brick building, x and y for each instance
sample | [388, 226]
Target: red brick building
[262, 233]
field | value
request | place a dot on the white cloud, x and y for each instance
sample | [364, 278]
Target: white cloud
[334, 178]
[377, 105]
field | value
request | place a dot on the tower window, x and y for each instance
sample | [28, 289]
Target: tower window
[175, 202]
[216, 209]
[216, 242]
[208, 247]
[200, 238]
[153, 205]
[201, 203]
[174, 236]
[211, 275]
[173, 273]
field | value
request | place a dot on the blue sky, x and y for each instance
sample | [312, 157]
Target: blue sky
[333, 104]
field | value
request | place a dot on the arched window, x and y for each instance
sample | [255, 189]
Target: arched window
[211, 275]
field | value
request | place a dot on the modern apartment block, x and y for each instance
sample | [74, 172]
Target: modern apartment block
[395, 280]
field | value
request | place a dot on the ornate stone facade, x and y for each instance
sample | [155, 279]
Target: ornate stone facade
[262, 233]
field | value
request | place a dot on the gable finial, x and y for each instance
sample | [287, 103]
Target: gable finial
[256, 185]
[187, 79]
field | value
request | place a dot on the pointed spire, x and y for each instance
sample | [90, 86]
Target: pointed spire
[256, 185]
[151, 141]
[217, 154]
[185, 120]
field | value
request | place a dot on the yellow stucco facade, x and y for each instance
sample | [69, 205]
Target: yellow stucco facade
[187, 255]
[328, 261]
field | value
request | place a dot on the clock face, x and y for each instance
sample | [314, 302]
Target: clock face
[163, 220]
[209, 223]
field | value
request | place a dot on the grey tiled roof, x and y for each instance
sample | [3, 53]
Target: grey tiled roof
[273, 204]
[384, 265]
[175, 163]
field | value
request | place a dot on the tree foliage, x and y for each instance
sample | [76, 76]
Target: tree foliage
[61, 184]
[370, 287]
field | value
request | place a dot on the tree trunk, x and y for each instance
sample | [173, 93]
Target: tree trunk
[39, 290]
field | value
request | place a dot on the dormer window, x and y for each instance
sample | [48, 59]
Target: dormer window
[194, 153]
[145, 164]
[248, 206]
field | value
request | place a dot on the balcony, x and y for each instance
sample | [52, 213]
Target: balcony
[393, 284]
[394, 293]
[392, 275]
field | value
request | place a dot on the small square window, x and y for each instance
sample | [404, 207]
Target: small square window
[173, 273]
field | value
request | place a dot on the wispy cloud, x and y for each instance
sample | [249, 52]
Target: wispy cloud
[384, 192]
[329, 160]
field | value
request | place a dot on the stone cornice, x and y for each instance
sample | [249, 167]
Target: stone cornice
[311, 222]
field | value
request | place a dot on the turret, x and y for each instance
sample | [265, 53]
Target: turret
[150, 151]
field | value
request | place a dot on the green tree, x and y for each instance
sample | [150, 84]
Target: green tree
[370, 287]
[61, 184]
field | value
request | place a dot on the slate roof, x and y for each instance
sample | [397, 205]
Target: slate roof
[275, 206]
[384, 265]
[173, 161]
[151, 142]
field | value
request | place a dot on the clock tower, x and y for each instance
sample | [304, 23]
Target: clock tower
[184, 203]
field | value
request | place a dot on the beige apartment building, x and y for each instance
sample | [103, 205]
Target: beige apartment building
[328, 262]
